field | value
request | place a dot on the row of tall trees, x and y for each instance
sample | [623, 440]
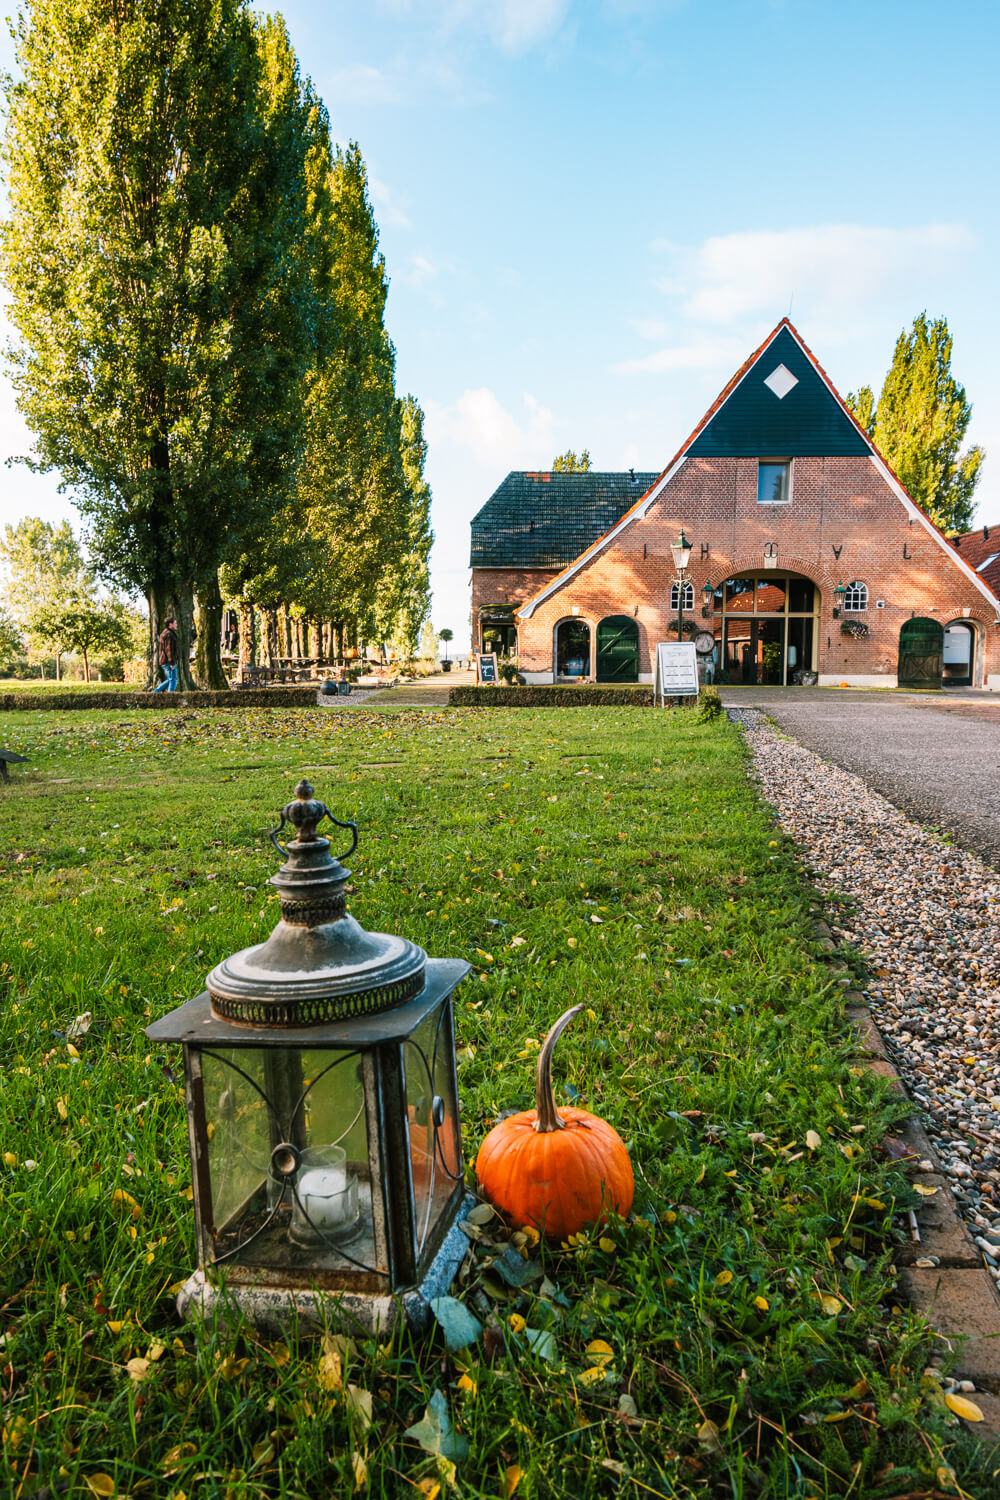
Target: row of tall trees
[195, 277]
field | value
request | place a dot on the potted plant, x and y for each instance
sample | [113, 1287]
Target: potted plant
[446, 635]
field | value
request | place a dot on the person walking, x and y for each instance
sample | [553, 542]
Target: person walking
[168, 658]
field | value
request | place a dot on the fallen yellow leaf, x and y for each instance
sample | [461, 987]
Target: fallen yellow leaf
[608, 1246]
[599, 1353]
[813, 1140]
[724, 1278]
[593, 1376]
[99, 1484]
[924, 1190]
[761, 1304]
[967, 1410]
[511, 1479]
[830, 1305]
[137, 1368]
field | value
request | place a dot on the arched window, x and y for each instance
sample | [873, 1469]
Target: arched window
[675, 591]
[856, 598]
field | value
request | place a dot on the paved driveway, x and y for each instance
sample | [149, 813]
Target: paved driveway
[935, 755]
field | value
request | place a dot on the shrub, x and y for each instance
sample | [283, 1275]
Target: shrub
[709, 705]
[276, 697]
[549, 696]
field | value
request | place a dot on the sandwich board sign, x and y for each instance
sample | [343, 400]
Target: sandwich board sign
[676, 673]
[486, 667]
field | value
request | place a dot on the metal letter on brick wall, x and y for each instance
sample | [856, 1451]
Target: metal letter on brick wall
[704, 551]
[837, 550]
[906, 552]
[770, 549]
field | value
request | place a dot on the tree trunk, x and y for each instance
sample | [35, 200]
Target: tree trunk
[317, 640]
[286, 630]
[270, 621]
[208, 649]
[58, 678]
[158, 616]
[248, 635]
[184, 615]
[86, 664]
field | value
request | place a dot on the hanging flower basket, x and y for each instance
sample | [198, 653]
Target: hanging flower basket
[859, 631]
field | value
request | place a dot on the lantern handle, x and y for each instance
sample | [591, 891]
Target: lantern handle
[305, 814]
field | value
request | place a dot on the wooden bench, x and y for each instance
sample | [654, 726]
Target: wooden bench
[8, 758]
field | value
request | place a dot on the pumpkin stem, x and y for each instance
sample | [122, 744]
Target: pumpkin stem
[545, 1099]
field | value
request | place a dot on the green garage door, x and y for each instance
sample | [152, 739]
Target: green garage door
[921, 649]
[618, 650]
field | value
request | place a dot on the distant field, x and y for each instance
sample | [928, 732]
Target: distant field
[750, 1344]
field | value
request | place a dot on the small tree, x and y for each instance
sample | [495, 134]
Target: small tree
[446, 635]
[84, 623]
[428, 641]
[568, 463]
[919, 423]
[11, 643]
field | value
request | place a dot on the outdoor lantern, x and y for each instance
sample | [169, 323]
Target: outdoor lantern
[838, 594]
[682, 552]
[322, 1105]
[707, 597]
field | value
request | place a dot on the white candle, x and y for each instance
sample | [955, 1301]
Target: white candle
[323, 1194]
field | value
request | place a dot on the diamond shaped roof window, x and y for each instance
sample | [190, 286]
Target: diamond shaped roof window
[780, 381]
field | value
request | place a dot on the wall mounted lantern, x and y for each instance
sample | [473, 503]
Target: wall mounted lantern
[838, 595]
[322, 1104]
[707, 599]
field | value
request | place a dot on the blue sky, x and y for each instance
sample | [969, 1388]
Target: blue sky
[592, 212]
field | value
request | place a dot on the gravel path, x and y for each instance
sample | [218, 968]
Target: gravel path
[934, 756]
[927, 916]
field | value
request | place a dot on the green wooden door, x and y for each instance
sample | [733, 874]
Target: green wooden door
[921, 648]
[618, 650]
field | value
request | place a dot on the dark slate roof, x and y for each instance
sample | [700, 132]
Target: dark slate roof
[751, 421]
[981, 550]
[545, 520]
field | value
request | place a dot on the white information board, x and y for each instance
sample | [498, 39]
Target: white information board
[676, 673]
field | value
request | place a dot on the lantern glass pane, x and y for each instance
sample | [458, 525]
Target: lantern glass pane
[435, 1153]
[288, 1160]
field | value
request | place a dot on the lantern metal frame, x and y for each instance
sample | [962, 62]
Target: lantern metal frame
[321, 985]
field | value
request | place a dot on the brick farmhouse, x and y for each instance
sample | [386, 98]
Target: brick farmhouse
[809, 560]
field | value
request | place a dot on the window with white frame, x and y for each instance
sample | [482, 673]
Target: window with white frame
[774, 481]
[675, 596]
[855, 598]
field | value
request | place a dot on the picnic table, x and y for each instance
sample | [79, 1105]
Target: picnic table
[9, 758]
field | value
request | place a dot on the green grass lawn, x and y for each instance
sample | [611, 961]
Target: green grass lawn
[617, 858]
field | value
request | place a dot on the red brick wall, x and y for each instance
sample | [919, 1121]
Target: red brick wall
[844, 522]
[504, 586]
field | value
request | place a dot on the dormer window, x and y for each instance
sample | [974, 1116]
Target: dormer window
[774, 481]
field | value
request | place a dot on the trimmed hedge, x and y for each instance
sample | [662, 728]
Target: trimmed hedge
[550, 696]
[276, 697]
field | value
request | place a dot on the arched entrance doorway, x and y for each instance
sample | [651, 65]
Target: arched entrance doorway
[921, 647]
[572, 649]
[958, 657]
[618, 649]
[766, 627]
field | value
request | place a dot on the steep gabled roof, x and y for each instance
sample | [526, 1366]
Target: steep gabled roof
[776, 367]
[544, 520]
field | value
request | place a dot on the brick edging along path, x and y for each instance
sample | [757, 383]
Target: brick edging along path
[943, 1032]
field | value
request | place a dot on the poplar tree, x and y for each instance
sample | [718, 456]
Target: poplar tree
[155, 169]
[919, 422]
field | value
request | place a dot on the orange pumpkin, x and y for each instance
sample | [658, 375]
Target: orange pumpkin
[558, 1169]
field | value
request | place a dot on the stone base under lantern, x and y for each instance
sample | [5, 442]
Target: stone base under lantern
[277, 1311]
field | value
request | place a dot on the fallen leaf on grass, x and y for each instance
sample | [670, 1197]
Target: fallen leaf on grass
[138, 1369]
[724, 1278]
[360, 1468]
[359, 1405]
[511, 1479]
[967, 1410]
[541, 1342]
[813, 1140]
[99, 1484]
[708, 1436]
[125, 1200]
[831, 1305]
[171, 1462]
[330, 1371]
[599, 1352]
[924, 1190]
[434, 1431]
[456, 1322]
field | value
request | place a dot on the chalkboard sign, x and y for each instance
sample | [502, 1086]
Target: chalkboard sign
[486, 667]
[676, 670]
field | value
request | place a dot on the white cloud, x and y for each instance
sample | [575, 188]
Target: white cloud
[361, 81]
[700, 353]
[512, 25]
[833, 270]
[479, 423]
[421, 271]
